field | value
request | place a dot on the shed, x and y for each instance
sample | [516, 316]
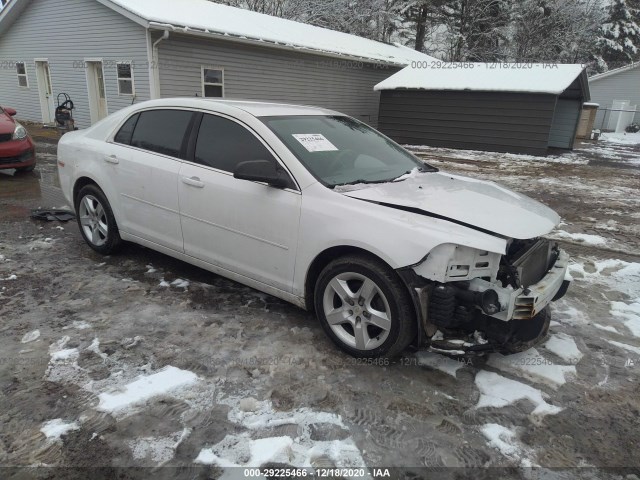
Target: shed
[517, 108]
[108, 54]
[618, 93]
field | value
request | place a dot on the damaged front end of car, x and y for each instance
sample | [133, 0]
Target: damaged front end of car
[472, 301]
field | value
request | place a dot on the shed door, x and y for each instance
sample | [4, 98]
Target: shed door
[565, 120]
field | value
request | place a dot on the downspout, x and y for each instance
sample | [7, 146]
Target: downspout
[155, 66]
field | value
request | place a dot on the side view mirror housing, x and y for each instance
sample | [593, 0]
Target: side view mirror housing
[10, 111]
[261, 171]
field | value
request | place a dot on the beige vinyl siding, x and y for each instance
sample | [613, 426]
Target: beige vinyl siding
[621, 86]
[260, 73]
[66, 32]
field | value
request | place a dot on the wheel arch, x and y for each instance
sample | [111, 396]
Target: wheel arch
[79, 184]
[322, 260]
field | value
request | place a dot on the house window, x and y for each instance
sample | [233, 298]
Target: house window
[125, 78]
[22, 74]
[212, 82]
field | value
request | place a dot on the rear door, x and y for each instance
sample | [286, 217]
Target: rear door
[145, 162]
[246, 227]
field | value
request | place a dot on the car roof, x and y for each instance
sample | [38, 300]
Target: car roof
[255, 108]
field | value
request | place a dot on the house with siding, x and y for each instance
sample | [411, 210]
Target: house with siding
[516, 108]
[108, 54]
[617, 92]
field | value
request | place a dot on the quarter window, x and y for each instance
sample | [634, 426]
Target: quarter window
[222, 144]
[125, 78]
[161, 131]
[212, 82]
[21, 69]
[126, 131]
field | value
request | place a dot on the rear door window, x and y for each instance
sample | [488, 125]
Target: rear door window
[162, 131]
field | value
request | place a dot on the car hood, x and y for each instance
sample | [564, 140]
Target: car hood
[475, 203]
[7, 125]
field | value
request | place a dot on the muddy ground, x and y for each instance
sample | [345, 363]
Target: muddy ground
[77, 327]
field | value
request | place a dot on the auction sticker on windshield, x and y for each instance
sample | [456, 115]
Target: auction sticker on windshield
[315, 142]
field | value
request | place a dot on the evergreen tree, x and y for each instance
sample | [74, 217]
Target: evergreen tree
[619, 40]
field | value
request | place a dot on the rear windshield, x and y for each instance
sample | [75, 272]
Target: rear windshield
[340, 150]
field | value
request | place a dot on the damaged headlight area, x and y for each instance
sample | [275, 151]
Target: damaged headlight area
[472, 290]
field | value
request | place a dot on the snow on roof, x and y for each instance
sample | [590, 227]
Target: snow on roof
[615, 71]
[203, 16]
[486, 77]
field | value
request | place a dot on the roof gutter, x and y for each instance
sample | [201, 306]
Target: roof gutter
[154, 70]
[280, 46]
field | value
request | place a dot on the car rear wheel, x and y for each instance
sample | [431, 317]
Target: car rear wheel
[364, 307]
[96, 221]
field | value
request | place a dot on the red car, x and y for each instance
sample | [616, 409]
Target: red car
[16, 147]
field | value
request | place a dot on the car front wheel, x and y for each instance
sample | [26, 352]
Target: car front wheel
[364, 307]
[96, 221]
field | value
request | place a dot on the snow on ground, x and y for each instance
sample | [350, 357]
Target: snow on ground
[624, 346]
[564, 346]
[159, 450]
[498, 391]
[629, 313]
[587, 239]
[245, 450]
[533, 366]
[621, 138]
[30, 336]
[145, 387]
[439, 362]
[54, 429]
[505, 440]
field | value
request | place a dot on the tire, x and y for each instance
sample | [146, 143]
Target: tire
[28, 169]
[95, 218]
[380, 321]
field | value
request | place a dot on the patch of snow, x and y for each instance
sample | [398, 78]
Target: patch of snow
[564, 346]
[150, 269]
[164, 284]
[621, 138]
[157, 449]
[498, 391]
[505, 440]
[606, 328]
[10, 278]
[533, 366]
[630, 313]
[146, 387]
[64, 355]
[439, 362]
[180, 283]
[54, 429]
[584, 238]
[31, 336]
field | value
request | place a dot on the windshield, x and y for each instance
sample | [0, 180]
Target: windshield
[340, 150]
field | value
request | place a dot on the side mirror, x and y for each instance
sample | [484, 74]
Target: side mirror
[261, 171]
[10, 111]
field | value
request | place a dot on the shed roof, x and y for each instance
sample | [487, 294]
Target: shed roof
[486, 77]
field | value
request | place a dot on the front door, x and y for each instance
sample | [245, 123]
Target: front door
[246, 227]
[45, 91]
[96, 91]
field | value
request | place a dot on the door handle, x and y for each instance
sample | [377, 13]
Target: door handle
[193, 181]
[111, 159]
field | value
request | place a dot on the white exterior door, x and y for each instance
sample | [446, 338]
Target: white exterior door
[45, 91]
[96, 91]
[246, 227]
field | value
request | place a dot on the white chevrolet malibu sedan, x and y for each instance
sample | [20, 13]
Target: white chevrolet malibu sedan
[321, 210]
